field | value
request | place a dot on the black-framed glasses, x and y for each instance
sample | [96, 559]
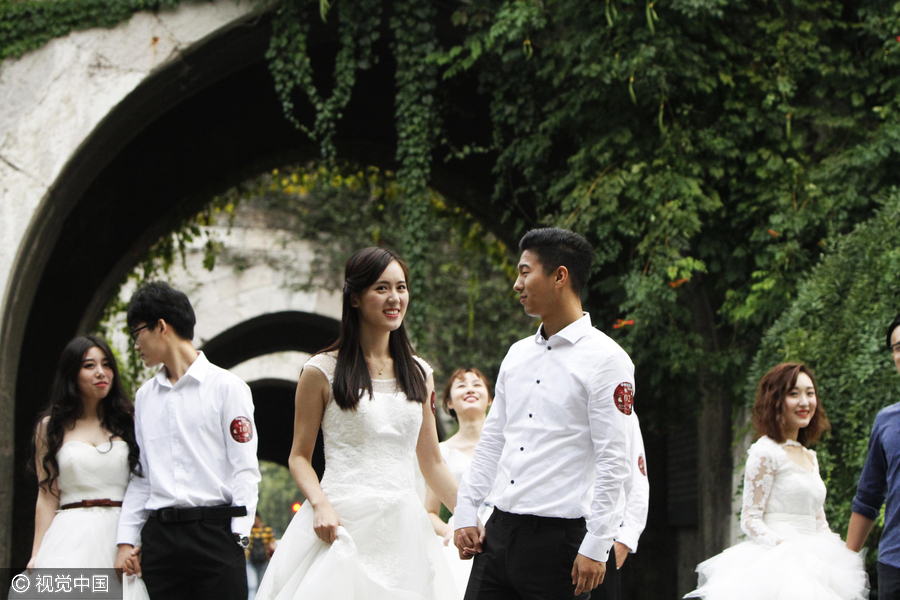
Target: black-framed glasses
[134, 332]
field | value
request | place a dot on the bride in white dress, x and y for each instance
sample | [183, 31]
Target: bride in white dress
[466, 398]
[792, 553]
[85, 452]
[363, 533]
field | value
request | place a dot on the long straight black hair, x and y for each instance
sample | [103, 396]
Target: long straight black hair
[351, 375]
[116, 410]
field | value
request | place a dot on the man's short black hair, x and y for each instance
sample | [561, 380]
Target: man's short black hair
[158, 300]
[894, 325]
[556, 248]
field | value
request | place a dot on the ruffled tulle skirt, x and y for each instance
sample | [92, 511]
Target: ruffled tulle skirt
[85, 538]
[808, 565]
[385, 550]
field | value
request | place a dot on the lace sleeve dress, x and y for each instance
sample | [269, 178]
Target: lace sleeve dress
[790, 551]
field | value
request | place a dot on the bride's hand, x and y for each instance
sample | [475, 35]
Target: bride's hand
[448, 536]
[325, 523]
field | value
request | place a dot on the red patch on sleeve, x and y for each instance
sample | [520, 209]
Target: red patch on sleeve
[641, 466]
[241, 430]
[433, 411]
[624, 397]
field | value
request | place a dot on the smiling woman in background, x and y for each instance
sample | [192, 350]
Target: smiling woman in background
[791, 552]
[466, 398]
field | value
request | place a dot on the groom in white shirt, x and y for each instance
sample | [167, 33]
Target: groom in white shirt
[554, 450]
[193, 421]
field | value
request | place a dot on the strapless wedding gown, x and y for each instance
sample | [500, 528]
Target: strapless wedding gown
[386, 548]
[85, 538]
[791, 554]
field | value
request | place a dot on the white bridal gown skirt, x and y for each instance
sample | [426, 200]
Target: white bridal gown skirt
[386, 550]
[85, 538]
[808, 565]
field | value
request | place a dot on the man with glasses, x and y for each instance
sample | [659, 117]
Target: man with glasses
[194, 507]
[880, 484]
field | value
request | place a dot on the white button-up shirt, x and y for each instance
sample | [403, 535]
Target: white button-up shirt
[198, 447]
[635, 499]
[561, 414]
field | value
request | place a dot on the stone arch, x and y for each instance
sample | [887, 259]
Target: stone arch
[272, 332]
[194, 123]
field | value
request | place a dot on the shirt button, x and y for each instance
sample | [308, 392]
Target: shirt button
[549, 347]
[512, 480]
[529, 415]
[522, 448]
[538, 380]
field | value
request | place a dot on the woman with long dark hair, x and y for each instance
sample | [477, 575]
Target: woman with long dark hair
[791, 552]
[85, 453]
[363, 532]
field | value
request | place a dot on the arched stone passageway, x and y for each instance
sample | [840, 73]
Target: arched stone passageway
[204, 120]
[274, 398]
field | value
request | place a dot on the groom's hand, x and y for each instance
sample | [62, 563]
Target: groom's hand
[133, 562]
[587, 574]
[468, 542]
[121, 563]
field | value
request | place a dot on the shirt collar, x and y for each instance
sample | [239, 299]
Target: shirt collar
[198, 370]
[571, 333]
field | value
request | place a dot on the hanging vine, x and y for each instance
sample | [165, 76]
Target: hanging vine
[417, 124]
[291, 68]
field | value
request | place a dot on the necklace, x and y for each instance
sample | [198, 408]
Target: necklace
[381, 370]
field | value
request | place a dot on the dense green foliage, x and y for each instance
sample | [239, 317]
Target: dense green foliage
[413, 41]
[706, 150]
[277, 493]
[837, 325]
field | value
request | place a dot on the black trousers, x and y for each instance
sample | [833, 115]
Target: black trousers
[888, 582]
[192, 560]
[530, 558]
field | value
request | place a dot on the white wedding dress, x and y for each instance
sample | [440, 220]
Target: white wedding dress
[386, 548]
[85, 538]
[791, 554]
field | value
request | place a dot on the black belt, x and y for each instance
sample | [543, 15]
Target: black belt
[197, 513]
[535, 520]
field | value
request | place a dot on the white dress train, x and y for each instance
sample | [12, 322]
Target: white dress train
[791, 554]
[386, 548]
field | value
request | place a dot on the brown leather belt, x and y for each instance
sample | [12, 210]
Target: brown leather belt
[90, 503]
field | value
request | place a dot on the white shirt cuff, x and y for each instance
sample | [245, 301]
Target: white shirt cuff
[595, 548]
[128, 535]
[242, 525]
[629, 537]
[465, 516]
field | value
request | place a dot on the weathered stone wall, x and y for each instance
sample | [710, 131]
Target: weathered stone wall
[52, 99]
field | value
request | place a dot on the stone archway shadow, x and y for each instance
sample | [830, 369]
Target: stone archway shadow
[191, 129]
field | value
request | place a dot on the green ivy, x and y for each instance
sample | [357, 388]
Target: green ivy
[28, 25]
[414, 40]
[291, 69]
